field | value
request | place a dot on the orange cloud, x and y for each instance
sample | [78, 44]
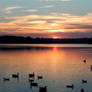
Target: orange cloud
[52, 23]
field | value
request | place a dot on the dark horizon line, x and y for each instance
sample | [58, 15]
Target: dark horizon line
[43, 37]
[29, 40]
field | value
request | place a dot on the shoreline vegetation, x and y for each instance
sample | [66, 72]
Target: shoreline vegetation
[30, 40]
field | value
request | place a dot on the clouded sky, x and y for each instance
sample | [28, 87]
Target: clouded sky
[46, 18]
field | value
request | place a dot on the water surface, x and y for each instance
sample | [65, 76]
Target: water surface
[59, 64]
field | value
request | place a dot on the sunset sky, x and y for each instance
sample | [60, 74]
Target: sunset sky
[46, 18]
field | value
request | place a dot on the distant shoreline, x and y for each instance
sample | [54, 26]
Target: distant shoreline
[30, 40]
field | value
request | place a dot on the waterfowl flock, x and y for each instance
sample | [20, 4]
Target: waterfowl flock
[32, 83]
[83, 81]
[31, 80]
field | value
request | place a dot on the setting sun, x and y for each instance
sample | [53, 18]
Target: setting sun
[55, 37]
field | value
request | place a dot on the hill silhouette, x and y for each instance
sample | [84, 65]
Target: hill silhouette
[30, 40]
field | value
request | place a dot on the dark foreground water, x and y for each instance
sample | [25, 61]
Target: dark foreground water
[58, 64]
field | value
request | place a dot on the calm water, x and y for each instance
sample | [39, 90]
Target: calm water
[59, 64]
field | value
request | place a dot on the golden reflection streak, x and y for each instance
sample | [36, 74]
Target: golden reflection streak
[52, 60]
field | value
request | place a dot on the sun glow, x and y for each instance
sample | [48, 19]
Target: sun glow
[54, 24]
[56, 37]
[57, 30]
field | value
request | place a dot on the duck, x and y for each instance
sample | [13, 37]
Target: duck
[70, 86]
[6, 79]
[82, 90]
[40, 77]
[84, 61]
[32, 75]
[84, 81]
[91, 67]
[43, 89]
[15, 75]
